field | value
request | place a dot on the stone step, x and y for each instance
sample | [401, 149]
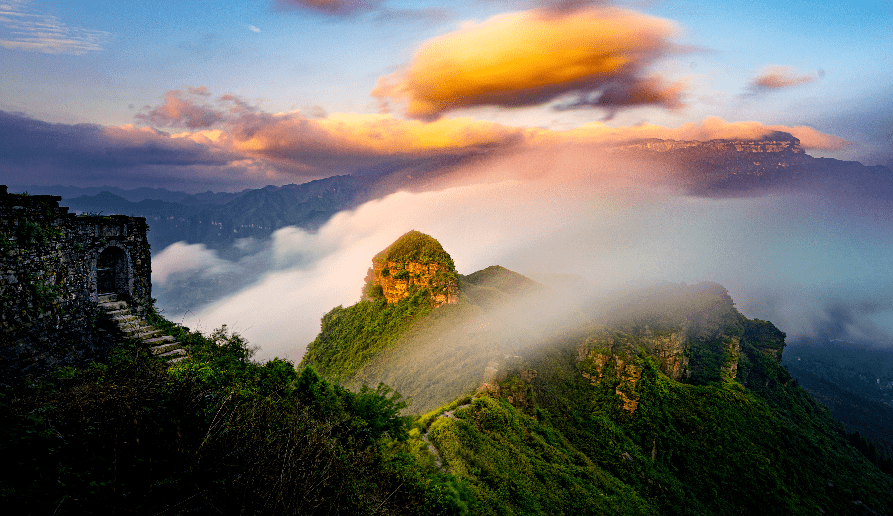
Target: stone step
[159, 340]
[113, 305]
[179, 352]
[143, 335]
[164, 348]
[135, 327]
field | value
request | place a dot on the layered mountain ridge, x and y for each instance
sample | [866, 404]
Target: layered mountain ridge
[720, 167]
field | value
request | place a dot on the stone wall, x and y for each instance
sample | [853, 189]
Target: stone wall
[53, 266]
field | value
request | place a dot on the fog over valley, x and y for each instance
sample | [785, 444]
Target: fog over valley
[800, 257]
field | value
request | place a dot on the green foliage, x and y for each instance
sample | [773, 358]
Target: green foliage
[5, 244]
[217, 433]
[351, 337]
[376, 292]
[418, 247]
[31, 234]
[711, 449]
[708, 446]
[519, 464]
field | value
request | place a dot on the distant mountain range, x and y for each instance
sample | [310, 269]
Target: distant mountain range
[716, 168]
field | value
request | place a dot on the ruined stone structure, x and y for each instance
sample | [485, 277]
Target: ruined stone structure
[54, 266]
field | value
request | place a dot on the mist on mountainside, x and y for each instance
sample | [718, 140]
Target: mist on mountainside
[787, 253]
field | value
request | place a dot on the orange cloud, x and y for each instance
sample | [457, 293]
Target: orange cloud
[342, 142]
[529, 58]
[349, 138]
[189, 109]
[777, 77]
[179, 110]
[347, 141]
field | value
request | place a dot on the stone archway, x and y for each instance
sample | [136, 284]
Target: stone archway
[113, 272]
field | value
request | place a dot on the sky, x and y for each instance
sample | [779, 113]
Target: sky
[222, 96]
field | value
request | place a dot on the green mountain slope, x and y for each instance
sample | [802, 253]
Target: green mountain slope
[663, 400]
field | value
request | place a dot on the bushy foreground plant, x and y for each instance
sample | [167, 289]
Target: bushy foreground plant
[216, 433]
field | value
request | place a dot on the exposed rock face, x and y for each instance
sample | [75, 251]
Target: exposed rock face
[775, 142]
[725, 167]
[414, 261]
[671, 352]
[693, 334]
[729, 370]
[599, 362]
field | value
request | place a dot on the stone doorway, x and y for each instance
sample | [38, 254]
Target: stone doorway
[112, 272]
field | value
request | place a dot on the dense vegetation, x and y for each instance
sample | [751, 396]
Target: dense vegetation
[351, 337]
[217, 433]
[552, 435]
[430, 356]
[584, 420]
[418, 247]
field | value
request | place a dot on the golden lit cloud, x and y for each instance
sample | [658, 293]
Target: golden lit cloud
[355, 136]
[599, 55]
[322, 144]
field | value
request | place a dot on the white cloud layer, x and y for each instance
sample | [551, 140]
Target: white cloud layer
[22, 28]
[789, 258]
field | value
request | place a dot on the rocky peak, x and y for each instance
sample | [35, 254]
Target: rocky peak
[414, 261]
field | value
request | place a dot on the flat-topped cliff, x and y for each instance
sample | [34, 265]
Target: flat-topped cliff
[779, 142]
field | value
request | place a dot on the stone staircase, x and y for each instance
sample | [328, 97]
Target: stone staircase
[133, 326]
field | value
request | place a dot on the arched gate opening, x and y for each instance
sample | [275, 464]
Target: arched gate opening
[112, 272]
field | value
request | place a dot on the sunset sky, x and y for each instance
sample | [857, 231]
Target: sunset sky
[226, 95]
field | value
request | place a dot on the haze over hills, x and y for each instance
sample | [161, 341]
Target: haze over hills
[239, 228]
[715, 168]
[662, 400]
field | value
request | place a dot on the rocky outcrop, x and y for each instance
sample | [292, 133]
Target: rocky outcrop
[718, 168]
[671, 353]
[415, 261]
